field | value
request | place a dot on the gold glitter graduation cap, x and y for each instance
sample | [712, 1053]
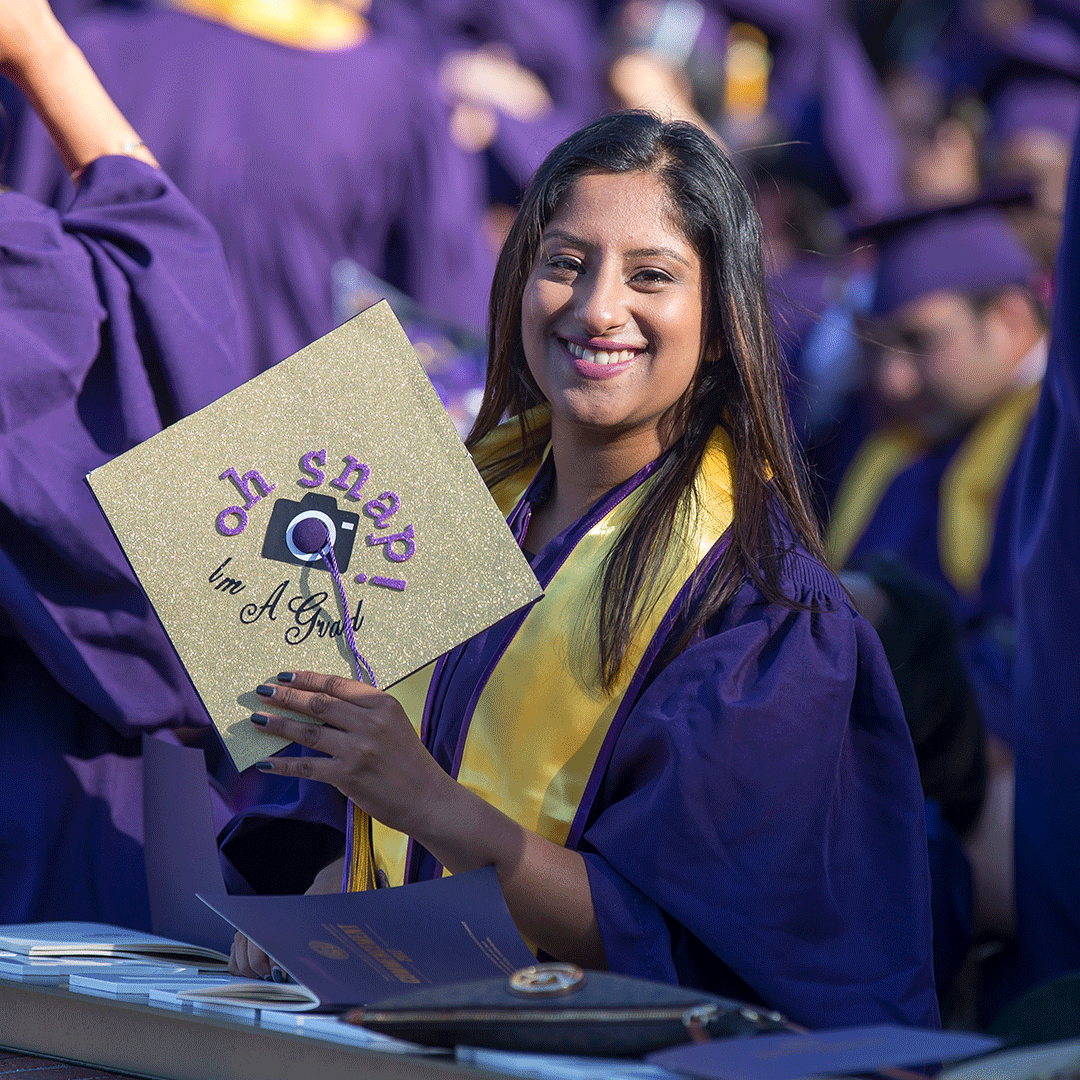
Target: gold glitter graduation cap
[347, 433]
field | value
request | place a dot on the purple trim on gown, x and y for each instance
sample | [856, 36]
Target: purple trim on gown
[1047, 679]
[297, 158]
[116, 319]
[759, 829]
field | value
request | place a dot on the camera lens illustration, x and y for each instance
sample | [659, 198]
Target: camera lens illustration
[280, 542]
[318, 515]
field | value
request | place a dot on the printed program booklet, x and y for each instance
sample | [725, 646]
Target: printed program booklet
[68, 940]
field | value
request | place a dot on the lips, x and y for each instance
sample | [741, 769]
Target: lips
[603, 357]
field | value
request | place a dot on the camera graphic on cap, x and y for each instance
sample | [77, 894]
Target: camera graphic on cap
[340, 524]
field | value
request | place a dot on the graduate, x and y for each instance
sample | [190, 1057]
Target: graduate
[1047, 680]
[304, 138]
[688, 761]
[116, 318]
[960, 347]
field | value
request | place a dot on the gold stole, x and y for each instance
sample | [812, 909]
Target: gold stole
[971, 488]
[540, 721]
[317, 25]
[968, 496]
[883, 456]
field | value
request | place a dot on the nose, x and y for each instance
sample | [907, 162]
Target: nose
[601, 300]
[898, 377]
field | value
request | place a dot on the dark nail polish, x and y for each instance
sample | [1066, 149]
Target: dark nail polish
[264, 766]
[264, 690]
[286, 676]
[278, 975]
[259, 720]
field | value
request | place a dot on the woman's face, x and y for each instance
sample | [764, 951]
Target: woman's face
[611, 317]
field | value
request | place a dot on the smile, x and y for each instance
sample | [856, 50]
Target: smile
[603, 357]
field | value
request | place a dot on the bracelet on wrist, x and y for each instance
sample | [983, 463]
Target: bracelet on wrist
[124, 149]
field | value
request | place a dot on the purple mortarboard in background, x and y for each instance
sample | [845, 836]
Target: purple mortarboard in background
[964, 247]
[1038, 86]
[1036, 105]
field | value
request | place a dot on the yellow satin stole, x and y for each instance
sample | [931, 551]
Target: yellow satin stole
[968, 496]
[883, 456]
[971, 489]
[540, 721]
[317, 25]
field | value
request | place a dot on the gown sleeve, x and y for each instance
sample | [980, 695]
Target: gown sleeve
[760, 828]
[116, 318]
[1046, 731]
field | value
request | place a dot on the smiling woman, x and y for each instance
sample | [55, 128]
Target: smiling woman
[689, 761]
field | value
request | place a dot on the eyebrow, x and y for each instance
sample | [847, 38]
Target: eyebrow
[636, 253]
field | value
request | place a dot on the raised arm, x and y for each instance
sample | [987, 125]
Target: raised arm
[39, 57]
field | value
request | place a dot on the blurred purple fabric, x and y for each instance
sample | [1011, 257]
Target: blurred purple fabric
[116, 319]
[297, 158]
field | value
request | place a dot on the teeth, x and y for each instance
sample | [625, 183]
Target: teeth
[600, 356]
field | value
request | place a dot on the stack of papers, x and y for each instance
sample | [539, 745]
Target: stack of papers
[16, 967]
[137, 986]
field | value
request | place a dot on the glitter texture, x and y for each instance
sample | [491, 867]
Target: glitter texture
[353, 394]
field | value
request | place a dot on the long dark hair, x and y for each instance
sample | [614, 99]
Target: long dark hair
[737, 385]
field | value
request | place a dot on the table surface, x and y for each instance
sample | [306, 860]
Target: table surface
[92, 1033]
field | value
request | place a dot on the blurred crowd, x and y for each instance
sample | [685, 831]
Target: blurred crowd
[909, 160]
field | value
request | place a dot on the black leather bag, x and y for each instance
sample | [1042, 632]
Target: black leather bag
[561, 1009]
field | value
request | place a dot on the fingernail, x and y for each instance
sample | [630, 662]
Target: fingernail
[264, 690]
[278, 975]
[264, 766]
[259, 720]
[285, 676]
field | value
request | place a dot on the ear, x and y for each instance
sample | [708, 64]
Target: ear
[1013, 307]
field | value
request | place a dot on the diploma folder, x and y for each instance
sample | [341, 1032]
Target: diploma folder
[69, 940]
[346, 949]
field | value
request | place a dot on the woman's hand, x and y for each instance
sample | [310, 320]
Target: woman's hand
[377, 760]
[375, 757]
[248, 960]
[39, 57]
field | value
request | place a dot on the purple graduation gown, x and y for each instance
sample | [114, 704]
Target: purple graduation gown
[297, 158]
[754, 827]
[116, 318]
[1047, 678]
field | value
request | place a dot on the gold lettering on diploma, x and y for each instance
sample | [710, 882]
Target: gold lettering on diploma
[378, 953]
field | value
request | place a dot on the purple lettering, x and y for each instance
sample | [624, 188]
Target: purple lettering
[352, 466]
[389, 583]
[243, 485]
[306, 466]
[390, 539]
[383, 508]
[229, 511]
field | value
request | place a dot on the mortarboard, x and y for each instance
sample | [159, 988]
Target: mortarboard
[961, 247]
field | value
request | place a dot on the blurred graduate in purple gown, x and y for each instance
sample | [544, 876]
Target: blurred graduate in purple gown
[303, 140]
[117, 318]
[961, 344]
